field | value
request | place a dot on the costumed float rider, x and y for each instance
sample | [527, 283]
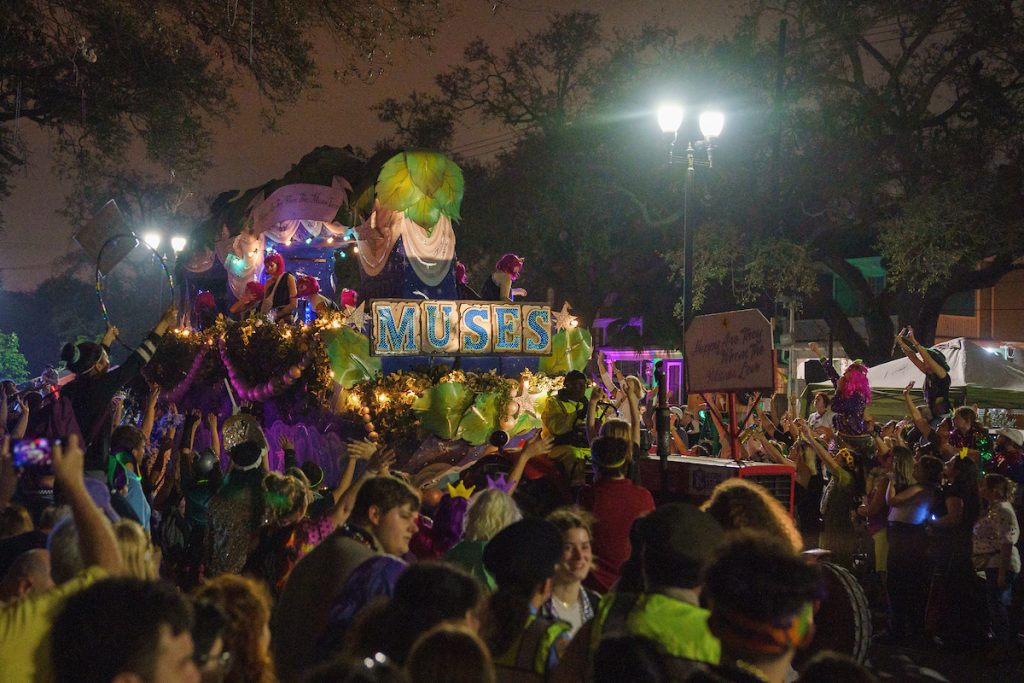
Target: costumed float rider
[281, 296]
[251, 298]
[466, 293]
[565, 418]
[499, 286]
[94, 386]
[308, 287]
[853, 394]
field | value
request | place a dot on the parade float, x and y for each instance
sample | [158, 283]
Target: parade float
[380, 344]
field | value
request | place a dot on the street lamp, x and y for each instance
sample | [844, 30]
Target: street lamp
[178, 243]
[151, 238]
[670, 118]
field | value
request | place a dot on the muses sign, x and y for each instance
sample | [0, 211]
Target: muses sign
[730, 352]
[450, 328]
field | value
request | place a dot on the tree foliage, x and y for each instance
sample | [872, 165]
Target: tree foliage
[110, 76]
[12, 363]
[882, 129]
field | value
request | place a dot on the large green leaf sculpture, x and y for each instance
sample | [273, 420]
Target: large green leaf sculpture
[422, 185]
[480, 420]
[349, 354]
[570, 350]
[442, 407]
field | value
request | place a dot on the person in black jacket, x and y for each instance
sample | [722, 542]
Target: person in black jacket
[95, 384]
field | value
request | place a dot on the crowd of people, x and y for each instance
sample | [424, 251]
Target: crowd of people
[126, 555]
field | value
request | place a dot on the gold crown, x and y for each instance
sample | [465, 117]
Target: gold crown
[461, 491]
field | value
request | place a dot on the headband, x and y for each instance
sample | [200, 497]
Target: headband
[764, 637]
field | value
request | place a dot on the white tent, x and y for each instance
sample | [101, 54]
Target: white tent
[978, 377]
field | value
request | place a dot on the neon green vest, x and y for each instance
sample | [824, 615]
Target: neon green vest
[530, 650]
[680, 628]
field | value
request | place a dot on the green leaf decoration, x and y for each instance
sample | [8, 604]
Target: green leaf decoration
[425, 213]
[570, 350]
[349, 355]
[525, 423]
[442, 407]
[423, 185]
[480, 420]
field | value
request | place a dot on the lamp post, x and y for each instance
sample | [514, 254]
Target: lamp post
[670, 118]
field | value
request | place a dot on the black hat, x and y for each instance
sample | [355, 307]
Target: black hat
[80, 357]
[679, 541]
[524, 553]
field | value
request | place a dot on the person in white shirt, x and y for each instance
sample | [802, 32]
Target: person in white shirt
[822, 415]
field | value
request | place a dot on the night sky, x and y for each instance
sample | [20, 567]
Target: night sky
[338, 114]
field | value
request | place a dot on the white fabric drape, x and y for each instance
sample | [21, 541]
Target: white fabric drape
[430, 255]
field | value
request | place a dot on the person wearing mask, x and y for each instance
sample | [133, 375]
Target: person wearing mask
[383, 520]
[615, 502]
[570, 601]
[25, 624]
[522, 559]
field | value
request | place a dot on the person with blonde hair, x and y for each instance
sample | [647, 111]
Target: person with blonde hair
[995, 553]
[489, 512]
[450, 653]
[137, 552]
[740, 504]
[570, 601]
[247, 633]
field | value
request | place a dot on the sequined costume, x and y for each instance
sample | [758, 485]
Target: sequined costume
[848, 410]
[974, 440]
[234, 517]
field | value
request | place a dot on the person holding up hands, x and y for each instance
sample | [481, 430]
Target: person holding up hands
[94, 386]
[25, 624]
[837, 500]
[936, 374]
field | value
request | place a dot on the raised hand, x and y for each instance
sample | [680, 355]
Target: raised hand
[110, 335]
[381, 460]
[69, 461]
[285, 443]
[538, 445]
[815, 349]
[362, 450]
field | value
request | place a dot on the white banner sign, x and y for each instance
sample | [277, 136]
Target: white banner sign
[300, 202]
